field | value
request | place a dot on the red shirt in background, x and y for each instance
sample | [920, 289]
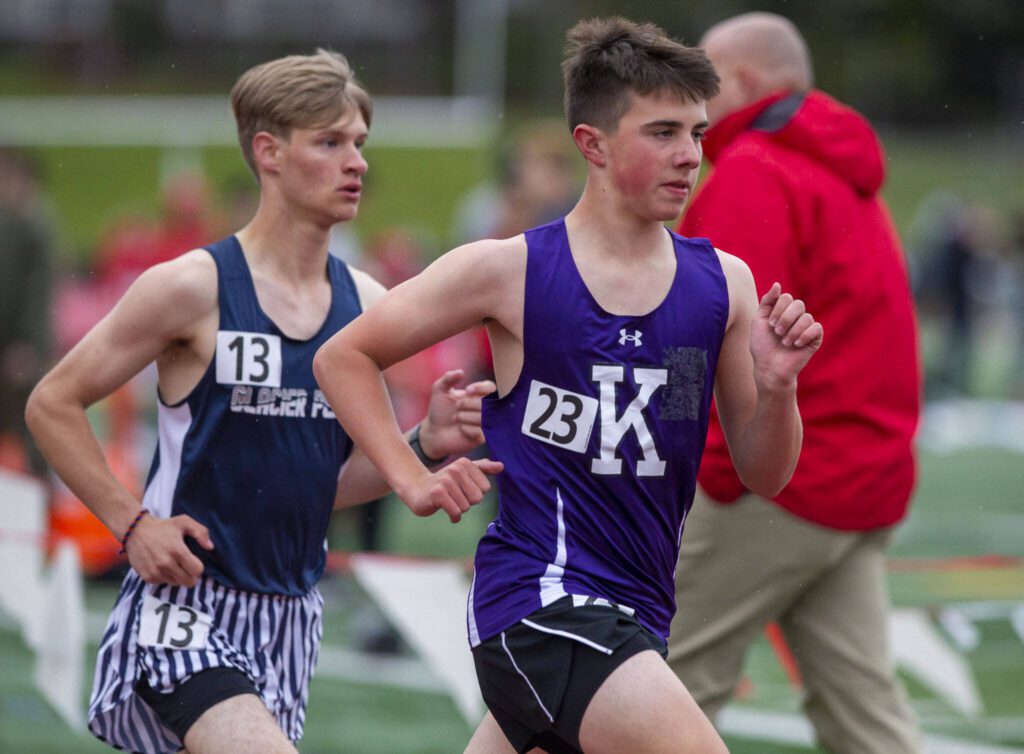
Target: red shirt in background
[794, 192]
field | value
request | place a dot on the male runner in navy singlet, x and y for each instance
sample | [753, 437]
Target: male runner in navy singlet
[609, 335]
[219, 618]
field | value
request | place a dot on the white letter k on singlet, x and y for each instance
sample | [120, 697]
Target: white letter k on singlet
[612, 429]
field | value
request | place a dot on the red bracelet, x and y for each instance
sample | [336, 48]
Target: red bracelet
[131, 527]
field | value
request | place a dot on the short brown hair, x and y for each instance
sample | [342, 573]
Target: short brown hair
[297, 91]
[610, 59]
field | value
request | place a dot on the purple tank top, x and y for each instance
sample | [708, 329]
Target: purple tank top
[601, 438]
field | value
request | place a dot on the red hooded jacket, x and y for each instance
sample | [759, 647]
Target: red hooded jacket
[795, 193]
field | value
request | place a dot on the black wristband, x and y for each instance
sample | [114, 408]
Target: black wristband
[417, 448]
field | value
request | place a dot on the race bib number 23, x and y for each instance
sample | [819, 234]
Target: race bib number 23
[559, 417]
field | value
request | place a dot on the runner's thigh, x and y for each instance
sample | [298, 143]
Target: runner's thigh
[489, 739]
[643, 707]
[239, 724]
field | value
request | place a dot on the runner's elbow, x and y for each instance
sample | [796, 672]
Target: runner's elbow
[766, 483]
[40, 404]
[327, 360]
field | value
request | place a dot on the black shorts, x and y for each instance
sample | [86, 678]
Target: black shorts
[538, 676]
[182, 707]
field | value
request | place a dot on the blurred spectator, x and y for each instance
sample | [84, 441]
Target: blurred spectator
[188, 215]
[241, 199]
[537, 182]
[125, 249]
[960, 278]
[1016, 252]
[394, 255]
[187, 220]
[26, 283]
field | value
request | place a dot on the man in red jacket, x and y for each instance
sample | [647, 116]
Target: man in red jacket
[795, 193]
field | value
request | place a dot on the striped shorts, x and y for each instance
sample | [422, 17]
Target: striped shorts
[167, 633]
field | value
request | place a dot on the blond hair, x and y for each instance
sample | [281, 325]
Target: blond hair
[297, 91]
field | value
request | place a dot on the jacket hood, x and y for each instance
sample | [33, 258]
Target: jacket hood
[815, 125]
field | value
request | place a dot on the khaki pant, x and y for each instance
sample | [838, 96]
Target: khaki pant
[744, 565]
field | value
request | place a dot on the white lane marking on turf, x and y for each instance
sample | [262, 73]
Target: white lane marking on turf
[951, 425]
[792, 729]
[375, 669]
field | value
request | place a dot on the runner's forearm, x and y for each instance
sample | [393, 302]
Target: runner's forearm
[769, 447]
[355, 390]
[62, 431]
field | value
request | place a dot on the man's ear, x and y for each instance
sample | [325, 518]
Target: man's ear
[266, 151]
[752, 82]
[590, 142]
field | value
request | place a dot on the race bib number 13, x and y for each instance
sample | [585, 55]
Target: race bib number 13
[164, 624]
[248, 358]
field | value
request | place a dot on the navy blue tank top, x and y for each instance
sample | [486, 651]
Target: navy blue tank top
[254, 451]
[601, 438]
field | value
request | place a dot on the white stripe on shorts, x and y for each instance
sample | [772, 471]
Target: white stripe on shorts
[529, 684]
[567, 635]
[274, 640]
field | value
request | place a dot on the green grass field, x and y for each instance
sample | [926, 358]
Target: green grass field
[968, 504]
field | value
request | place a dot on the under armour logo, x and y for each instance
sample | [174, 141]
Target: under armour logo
[624, 337]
